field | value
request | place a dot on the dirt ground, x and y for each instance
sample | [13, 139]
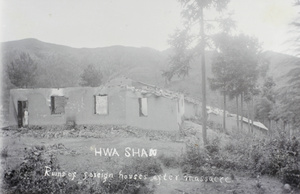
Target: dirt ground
[76, 153]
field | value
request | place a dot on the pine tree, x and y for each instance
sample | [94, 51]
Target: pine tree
[193, 12]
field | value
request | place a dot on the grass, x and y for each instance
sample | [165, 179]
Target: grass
[77, 154]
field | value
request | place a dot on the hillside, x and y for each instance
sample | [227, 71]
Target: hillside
[280, 65]
[61, 66]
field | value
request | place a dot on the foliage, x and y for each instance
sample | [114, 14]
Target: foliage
[278, 157]
[288, 109]
[295, 45]
[182, 56]
[169, 161]
[22, 71]
[146, 166]
[268, 89]
[266, 104]
[193, 12]
[119, 186]
[91, 76]
[263, 109]
[290, 99]
[185, 44]
[29, 176]
[203, 161]
[235, 64]
[191, 9]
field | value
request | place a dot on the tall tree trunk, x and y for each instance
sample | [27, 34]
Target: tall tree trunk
[242, 111]
[204, 112]
[224, 112]
[248, 115]
[284, 125]
[289, 129]
[270, 131]
[253, 112]
[237, 112]
[269, 124]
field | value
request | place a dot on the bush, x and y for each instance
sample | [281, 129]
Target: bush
[125, 180]
[236, 153]
[275, 157]
[203, 161]
[29, 176]
[169, 161]
[145, 166]
[278, 157]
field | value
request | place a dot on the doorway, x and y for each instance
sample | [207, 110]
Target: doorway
[22, 114]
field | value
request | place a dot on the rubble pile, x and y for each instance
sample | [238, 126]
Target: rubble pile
[89, 131]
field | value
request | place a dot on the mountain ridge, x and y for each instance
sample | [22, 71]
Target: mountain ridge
[61, 66]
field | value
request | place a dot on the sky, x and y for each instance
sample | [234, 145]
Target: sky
[137, 23]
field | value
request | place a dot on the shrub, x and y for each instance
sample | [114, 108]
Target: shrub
[169, 161]
[29, 176]
[146, 166]
[278, 157]
[117, 185]
[203, 161]
[125, 181]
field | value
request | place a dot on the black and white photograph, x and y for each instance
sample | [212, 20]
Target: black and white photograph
[150, 97]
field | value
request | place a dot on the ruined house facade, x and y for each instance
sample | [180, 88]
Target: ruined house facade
[121, 101]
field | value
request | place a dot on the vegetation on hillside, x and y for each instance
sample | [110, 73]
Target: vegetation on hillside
[91, 76]
[22, 71]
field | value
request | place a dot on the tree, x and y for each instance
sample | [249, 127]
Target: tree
[22, 71]
[294, 40]
[91, 76]
[223, 75]
[266, 103]
[289, 100]
[193, 12]
[234, 67]
[180, 61]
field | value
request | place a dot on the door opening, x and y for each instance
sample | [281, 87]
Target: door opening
[22, 114]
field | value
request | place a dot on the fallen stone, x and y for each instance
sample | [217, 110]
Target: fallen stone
[287, 187]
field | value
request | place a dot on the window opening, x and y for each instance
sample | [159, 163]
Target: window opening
[57, 104]
[143, 107]
[101, 104]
